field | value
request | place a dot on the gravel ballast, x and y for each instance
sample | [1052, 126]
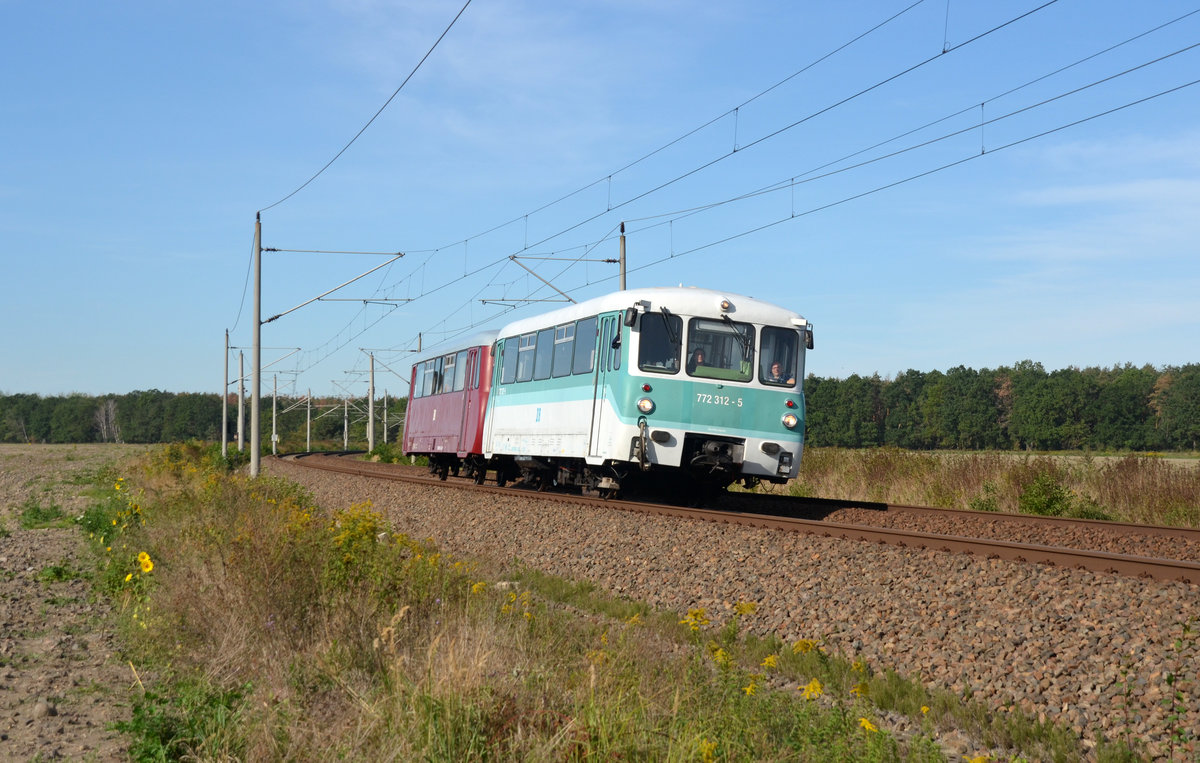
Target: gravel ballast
[1065, 645]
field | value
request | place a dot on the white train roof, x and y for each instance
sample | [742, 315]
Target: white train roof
[680, 300]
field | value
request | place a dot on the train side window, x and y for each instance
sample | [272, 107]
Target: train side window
[614, 347]
[448, 365]
[525, 357]
[508, 362]
[544, 356]
[585, 346]
[460, 372]
[564, 349]
[427, 379]
[439, 375]
[414, 381]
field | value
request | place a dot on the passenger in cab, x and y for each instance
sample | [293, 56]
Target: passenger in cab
[697, 359]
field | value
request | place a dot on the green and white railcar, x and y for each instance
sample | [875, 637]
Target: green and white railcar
[677, 388]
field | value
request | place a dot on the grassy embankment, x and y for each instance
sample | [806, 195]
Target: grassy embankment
[1145, 489]
[277, 629]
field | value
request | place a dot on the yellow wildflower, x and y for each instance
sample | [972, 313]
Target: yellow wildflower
[129, 577]
[813, 690]
[722, 658]
[478, 587]
[745, 608]
[804, 646]
[597, 656]
[924, 709]
[770, 661]
[866, 724]
[696, 619]
[144, 562]
[707, 750]
[635, 620]
[750, 689]
[859, 689]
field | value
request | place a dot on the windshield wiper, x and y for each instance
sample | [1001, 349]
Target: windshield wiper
[667, 321]
[747, 351]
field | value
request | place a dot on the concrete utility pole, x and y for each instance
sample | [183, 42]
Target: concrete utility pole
[225, 403]
[241, 402]
[371, 407]
[274, 414]
[308, 424]
[346, 424]
[256, 384]
[621, 261]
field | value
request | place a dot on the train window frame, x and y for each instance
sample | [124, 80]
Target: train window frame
[723, 341]
[584, 361]
[564, 350]
[543, 355]
[783, 345]
[508, 361]
[655, 334]
[527, 346]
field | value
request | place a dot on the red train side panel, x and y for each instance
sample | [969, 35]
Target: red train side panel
[447, 402]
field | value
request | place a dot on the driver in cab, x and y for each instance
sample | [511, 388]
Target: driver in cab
[776, 376]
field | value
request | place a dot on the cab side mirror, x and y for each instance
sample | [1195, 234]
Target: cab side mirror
[630, 316]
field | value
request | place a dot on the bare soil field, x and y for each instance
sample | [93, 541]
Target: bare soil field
[62, 683]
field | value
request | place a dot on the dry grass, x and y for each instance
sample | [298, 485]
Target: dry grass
[1144, 489]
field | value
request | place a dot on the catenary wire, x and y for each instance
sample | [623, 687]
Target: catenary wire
[377, 113]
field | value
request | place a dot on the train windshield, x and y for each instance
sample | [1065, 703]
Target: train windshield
[720, 349]
[660, 343]
[780, 351]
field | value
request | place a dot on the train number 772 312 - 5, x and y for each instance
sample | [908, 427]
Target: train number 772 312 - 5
[704, 397]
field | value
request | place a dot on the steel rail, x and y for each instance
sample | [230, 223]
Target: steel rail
[1055, 556]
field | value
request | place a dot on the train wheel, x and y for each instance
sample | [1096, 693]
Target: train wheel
[480, 475]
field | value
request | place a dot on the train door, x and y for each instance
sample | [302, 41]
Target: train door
[470, 422]
[608, 362]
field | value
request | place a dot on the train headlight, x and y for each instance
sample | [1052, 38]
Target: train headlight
[645, 405]
[790, 420]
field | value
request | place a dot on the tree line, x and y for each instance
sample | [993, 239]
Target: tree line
[1022, 407]
[154, 416]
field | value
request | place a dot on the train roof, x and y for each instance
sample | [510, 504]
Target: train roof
[685, 300]
[478, 339]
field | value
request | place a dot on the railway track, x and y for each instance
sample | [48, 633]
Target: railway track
[1159, 553]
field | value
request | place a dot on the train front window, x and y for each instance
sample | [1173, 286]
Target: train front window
[720, 349]
[777, 361]
[661, 340]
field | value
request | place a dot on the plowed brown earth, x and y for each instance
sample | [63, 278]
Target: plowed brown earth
[62, 684]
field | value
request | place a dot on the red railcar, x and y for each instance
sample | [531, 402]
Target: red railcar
[446, 405]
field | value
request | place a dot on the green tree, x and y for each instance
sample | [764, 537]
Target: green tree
[73, 419]
[1124, 418]
[902, 417]
[1180, 405]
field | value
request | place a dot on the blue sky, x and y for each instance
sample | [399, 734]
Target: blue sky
[980, 226]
